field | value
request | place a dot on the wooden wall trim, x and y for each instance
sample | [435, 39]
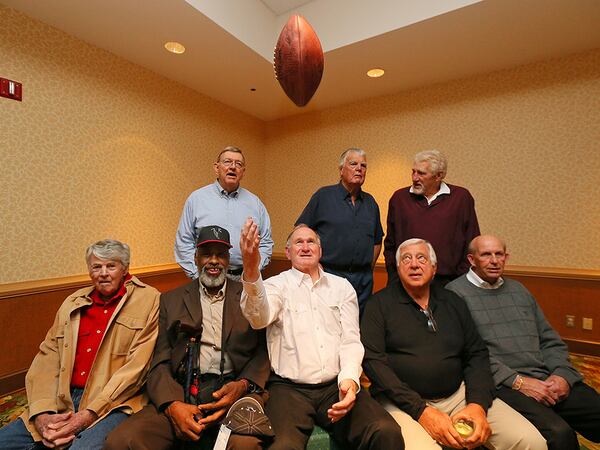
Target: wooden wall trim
[583, 347]
[77, 281]
[22, 288]
[13, 382]
[553, 272]
[526, 271]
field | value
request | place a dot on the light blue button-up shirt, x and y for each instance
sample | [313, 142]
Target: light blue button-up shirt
[212, 205]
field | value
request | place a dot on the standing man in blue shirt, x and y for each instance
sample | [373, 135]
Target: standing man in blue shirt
[228, 205]
[347, 220]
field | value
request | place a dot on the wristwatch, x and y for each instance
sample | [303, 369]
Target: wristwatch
[251, 388]
[518, 383]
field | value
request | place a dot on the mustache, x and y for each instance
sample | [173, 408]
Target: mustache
[213, 266]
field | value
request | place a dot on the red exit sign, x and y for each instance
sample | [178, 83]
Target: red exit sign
[11, 89]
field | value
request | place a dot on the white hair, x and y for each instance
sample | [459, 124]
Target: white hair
[414, 241]
[109, 249]
[436, 159]
[345, 153]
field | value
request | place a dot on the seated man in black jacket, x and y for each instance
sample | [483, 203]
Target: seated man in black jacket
[430, 368]
[232, 359]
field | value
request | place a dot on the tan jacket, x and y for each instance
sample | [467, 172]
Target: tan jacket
[119, 370]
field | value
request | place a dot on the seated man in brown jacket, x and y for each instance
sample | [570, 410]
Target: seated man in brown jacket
[230, 362]
[87, 376]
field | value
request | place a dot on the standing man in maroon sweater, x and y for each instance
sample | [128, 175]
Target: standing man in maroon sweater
[430, 209]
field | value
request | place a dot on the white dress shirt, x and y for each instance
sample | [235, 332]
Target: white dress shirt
[481, 283]
[312, 328]
[444, 189]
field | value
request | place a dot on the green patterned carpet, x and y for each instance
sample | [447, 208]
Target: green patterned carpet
[11, 406]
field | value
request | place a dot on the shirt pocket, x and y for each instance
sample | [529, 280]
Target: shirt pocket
[296, 328]
[332, 316]
[125, 329]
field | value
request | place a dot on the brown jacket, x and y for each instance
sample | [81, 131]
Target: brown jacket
[246, 347]
[119, 369]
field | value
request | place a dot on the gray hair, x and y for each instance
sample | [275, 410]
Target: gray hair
[288, 242]
[436, 159]
[109, 249]
[414, 241]
[230, 148]
[345, 153]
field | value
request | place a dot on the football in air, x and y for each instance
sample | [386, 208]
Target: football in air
[298, 60]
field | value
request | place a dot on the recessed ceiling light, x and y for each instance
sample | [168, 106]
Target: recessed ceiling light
[375, 73]
[175, 47]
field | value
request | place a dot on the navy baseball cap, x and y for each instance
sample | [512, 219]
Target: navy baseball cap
[212, 233]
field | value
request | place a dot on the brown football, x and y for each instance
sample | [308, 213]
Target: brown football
[298, 60]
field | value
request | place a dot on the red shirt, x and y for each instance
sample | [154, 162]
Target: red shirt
[92, 327]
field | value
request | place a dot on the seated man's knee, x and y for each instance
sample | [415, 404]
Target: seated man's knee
[389, 435]
[241, 442]
[116, 441]
[560, 435]
[283, 443]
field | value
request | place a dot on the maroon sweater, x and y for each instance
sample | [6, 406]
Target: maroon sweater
[449, 223]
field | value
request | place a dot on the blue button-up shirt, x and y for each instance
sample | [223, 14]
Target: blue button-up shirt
[348, 232]
[213, 205]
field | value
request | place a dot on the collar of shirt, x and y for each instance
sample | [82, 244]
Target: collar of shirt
[223, 192]
[344, 194]
[213, 298]
[95, 296]
[301, 277]
[480, 283]
[444, 189]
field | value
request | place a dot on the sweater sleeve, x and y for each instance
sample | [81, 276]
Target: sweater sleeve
[479, 383]
[554, 351]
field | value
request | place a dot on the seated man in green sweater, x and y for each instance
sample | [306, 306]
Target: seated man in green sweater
[529, 361]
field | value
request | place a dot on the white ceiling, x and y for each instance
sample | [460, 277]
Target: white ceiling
[279, 7]
[418, 42]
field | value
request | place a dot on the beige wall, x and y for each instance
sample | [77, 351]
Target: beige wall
[99, 148]
[525, 142]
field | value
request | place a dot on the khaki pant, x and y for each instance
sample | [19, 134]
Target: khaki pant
[510, 430]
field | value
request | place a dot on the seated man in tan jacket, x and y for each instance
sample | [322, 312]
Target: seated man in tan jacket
[87, 376]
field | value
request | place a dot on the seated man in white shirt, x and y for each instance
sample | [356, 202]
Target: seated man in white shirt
[314, 346]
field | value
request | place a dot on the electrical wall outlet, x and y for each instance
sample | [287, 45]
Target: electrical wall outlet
[587, 323]
[570, 321]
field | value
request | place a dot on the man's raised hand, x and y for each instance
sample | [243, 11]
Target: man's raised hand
[249, 241]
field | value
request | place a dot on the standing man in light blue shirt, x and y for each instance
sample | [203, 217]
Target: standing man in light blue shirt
[228, 205]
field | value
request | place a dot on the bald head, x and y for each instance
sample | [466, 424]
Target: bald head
[487, 255]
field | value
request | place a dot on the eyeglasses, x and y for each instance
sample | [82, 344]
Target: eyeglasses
[431, 325]
[231, 162]
[406, 259]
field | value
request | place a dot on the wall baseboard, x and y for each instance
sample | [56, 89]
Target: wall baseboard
[13, 382]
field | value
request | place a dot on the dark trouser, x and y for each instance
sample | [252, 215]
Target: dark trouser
[295, 408]
[361, 281]
[580, 412]
[152, 430]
